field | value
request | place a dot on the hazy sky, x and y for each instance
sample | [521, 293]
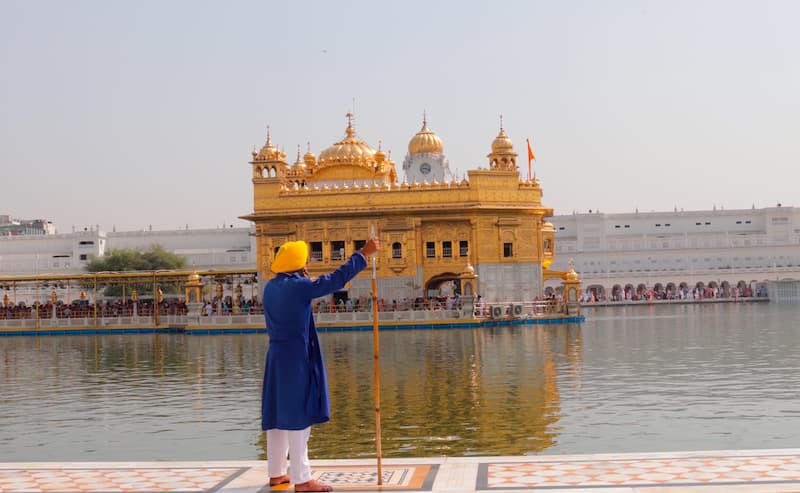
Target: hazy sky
[139, 113]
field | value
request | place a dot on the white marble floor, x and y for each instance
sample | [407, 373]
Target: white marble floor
[745, 471]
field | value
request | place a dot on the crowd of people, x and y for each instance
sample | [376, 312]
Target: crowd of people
[229, 306]
[364, 304]
[84, 309]
[592, 295]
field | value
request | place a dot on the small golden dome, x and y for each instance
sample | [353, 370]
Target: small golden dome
[502, 143]
[548, 226]
[194, 277]
[571, 274]
[298, 163]
[468, 270]
[425, 141]
[268, 152]
[350, 150]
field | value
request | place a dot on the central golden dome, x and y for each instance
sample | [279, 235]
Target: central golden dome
[425, 141]
[350, 150]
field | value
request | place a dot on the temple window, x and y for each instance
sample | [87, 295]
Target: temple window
[337, 250]
[359, 244]
[447, 249]
[316, 251]
[463, 248]
[508, 250]
[397, 250]
[430, 249]
[548, 246]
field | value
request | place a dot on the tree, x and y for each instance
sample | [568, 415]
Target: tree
[121, 260]
[125, 260]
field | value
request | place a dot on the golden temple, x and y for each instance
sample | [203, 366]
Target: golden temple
[486, 234]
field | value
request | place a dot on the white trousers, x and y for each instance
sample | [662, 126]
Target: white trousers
[295, 444]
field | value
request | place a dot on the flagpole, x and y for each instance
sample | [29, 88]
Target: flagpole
[376, 352]
[529, 158]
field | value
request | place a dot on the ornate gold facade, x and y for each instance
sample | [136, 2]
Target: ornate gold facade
[430, 232]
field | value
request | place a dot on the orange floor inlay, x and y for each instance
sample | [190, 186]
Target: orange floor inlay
[640, 472]
[88, 480]
[403, 477]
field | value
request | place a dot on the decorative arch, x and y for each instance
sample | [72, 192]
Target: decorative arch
[597, 291]
[616, 293]
[435, 283]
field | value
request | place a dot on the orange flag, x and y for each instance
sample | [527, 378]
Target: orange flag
[531, 157]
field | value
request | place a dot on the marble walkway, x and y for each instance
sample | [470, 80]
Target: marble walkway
[707, 472]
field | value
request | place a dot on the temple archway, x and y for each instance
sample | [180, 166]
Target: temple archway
[444, 284]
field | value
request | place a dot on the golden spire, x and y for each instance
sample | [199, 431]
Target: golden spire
[350, 130]
[298, 163]
[380, 156]
[310, 159]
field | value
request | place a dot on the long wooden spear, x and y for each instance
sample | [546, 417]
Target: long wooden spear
[376, 351]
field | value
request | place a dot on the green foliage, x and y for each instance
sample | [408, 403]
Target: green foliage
[120, 260]
[125, 260]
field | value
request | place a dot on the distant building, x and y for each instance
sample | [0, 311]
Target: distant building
[663, 250]
[203, 249]
[18, 227]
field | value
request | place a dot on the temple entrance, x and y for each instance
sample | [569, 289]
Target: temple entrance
[445, 284]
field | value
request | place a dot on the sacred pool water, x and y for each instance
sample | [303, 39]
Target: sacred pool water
[629, 379]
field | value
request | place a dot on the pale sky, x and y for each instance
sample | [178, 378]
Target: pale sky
[128, 114]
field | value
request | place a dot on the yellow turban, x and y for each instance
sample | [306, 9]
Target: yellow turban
[291, 256]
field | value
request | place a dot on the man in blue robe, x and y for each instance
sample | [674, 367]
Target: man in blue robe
[295, 388]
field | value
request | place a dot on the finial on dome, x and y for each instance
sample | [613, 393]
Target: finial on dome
[501, 122]
[298, 152]
[350, 130]
[380, 156]
[269, 139]
[309, 145]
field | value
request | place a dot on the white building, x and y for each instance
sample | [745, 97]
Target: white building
[659, 250]
[652, 250]
[69, 253]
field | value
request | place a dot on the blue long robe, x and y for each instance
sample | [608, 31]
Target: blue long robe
[295, 388]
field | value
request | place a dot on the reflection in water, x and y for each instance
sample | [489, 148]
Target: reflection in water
[457, 392]
[630, 379]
